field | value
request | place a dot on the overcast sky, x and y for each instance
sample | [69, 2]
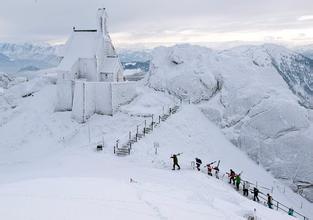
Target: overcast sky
[161, 22]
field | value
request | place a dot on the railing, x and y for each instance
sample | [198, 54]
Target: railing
[277, 204]
[144, 128]
[281, 206]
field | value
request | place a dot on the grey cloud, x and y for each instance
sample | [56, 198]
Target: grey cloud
[51, 19]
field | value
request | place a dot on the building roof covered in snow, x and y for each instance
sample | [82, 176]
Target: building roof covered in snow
[81, 44]
[90, 44]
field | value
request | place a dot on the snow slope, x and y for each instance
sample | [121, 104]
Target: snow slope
[245, 91]
[49, 170]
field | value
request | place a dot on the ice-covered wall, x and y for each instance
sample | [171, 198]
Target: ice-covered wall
[103, 98]
[90, 99]
[122, 92]
[78, 111]
[88, 69]
[64, 95]
[100, 97]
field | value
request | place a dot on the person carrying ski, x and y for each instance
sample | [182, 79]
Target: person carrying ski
[238, 180]
[175, 161]
[269, 201]
[198, 163]
[231, 176]
[217, 170]
[255, 194]
[209, 169]
[245, 188]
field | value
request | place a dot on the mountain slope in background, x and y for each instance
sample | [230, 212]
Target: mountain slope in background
[253, 94]
[14, 57]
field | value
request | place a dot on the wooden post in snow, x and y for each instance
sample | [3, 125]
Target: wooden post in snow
[152, 123]
[144, 129]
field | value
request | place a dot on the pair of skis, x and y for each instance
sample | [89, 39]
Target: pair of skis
[218, 163]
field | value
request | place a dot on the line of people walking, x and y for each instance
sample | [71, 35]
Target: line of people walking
[234, 179]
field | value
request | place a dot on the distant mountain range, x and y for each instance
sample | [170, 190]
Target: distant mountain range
[31, 57]
[16, 57]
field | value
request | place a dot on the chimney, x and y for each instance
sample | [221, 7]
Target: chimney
[101, 21]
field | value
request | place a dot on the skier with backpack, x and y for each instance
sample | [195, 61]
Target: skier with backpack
[175, 161]
[198, 163]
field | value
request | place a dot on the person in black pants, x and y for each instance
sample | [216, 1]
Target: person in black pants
[175, 161]
[255, 194]
[198, 163]
[269, 201]
[245, 188]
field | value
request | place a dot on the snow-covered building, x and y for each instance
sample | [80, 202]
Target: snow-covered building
[90, 75]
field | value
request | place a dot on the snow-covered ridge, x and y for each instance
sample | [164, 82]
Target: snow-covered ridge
[19, 57]
[27, 50]
[253, 94]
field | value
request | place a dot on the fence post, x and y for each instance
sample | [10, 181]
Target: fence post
[144, 129]
[137, 133]
[117, 143]
[114, 149]
[130, 135]
[152, 122]
[159, 119]
[277, 205]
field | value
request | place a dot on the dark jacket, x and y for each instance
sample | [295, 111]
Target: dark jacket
[269, 199]
[198, 161]
[174, 157]
[255, 191]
